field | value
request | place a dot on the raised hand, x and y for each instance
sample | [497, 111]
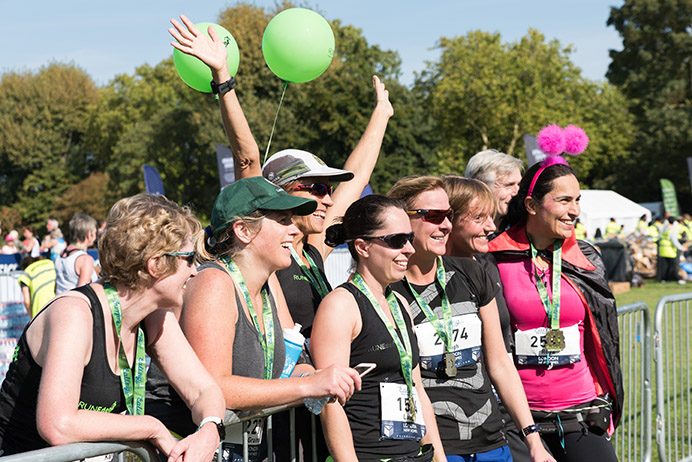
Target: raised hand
[191, 41]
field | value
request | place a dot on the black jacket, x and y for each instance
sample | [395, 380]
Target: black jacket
[583, 268]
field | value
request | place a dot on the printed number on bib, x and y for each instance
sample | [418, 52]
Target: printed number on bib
[396, 412]
[466, 342]
[254, 427]
[531, 347]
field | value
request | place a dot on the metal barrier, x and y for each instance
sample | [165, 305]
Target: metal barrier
[632, 440]
[77, 451]
[10, 291]
[672, 331]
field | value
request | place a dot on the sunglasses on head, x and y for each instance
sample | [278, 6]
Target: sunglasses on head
[393, 241]
[318, 189]
[433, 216]
[189, 257]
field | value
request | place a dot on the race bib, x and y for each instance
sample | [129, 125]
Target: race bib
[254, 427]
[530, 347]
[467, 331]
[396, 413]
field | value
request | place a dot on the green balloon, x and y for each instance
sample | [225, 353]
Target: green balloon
[298, 45]
[197, 74]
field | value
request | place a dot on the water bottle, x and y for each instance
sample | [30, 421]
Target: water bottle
[315, 405]
[293, 340]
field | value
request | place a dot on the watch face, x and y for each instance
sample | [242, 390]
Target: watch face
[222, 431]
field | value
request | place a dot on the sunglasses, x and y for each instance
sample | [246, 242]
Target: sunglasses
[318, 189]
[433, 216]
[393, 241]
[189, 257]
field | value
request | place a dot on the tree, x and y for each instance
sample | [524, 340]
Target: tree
[654, 71]
[483, 93]
[91, 196]
[42, 123]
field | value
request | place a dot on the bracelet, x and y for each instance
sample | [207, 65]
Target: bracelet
[533, 428]
[224, 87]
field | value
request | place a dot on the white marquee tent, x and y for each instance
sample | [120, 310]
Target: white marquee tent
[599, 206]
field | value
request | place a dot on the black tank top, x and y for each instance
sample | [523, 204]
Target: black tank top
[374, 345]
[100, 389]
[302, 297]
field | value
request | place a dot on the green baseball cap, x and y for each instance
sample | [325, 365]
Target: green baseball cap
[247, 195]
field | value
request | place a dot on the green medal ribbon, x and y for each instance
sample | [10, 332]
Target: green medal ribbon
[404, 348]
[133, 384]
[444, 327]
[267, 340]
[552, 307]
[313, 273]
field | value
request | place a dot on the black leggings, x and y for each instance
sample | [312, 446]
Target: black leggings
[580, 446]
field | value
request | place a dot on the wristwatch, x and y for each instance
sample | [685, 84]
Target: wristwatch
[526, 431]
[224, 87]
[219, 426]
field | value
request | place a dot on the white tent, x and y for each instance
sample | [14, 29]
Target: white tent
[599, 206]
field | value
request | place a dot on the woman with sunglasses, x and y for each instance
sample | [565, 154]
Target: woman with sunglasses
[79, 369]
[363, 321]
[452, 301]
[233, 314]
[563, 316]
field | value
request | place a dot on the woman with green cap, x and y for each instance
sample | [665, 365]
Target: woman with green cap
[233, 313]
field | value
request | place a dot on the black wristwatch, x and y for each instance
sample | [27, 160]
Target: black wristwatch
[526, 431]
[219, 426]
[224, 87]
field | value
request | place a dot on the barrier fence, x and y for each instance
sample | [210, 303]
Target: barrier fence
[672, 331]
[632, 440]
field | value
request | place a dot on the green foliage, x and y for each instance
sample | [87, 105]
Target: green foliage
[483, 94]
[654, 71]
[91, 196]
[42, 125]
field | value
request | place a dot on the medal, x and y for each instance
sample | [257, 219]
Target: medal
[450, 365]
[554, 340]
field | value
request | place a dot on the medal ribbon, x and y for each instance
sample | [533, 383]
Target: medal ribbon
[313, 273]
[267, 340]
[404, 348]
[552, 307]
[444, 327]
[133, 384]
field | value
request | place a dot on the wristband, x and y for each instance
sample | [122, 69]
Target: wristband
[219, 425]
[224, 87]
[526, 431]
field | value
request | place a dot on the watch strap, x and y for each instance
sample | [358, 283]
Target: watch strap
[219, 425]
[224, 87]
[526, 431]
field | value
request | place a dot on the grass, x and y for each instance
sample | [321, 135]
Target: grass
[676, 329]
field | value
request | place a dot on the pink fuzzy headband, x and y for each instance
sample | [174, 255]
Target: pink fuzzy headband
[553, 141]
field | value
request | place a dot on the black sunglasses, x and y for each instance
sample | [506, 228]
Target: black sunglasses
[318, 189]
[393, 241]
[433, 216]
[189, 257]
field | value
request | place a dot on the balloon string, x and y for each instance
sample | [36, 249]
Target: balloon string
[274, 125]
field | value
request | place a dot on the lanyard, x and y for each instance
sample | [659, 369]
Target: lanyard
[267, 340]
[133, 387]
[404, 348]
[443, 330]
[313, 273]
[552, 307]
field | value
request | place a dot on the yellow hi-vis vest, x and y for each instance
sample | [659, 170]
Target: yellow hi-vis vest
[39, 277]
[652, 231]
[665, 246]
[612, 229]
[580, 231]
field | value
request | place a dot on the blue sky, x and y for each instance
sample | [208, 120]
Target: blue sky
[110, 38]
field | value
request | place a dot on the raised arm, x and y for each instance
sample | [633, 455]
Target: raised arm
[361, 162]
[506, 380]
[190, 40]
[208, 320]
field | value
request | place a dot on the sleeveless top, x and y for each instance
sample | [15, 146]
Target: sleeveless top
[466, 409]
[100, 390]
[374, 344]
[248, 361]
[302, 297]
[66, 278]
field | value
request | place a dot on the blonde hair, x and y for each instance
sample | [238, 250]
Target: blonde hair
[139, 228]
[210, 248]
[408, 188]
[462, 191]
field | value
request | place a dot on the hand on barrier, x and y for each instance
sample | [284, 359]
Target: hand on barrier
[197, 447]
